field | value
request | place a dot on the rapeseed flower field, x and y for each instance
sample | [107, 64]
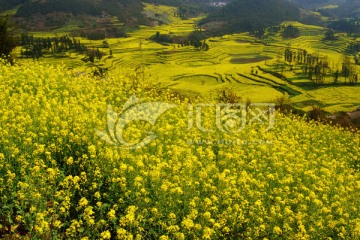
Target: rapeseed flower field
[60, 180]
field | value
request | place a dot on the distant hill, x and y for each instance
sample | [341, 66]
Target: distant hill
[126, 10]
[52, 14]
[315, 4]
[332, 8]
[178, 2]
[349, 9]
[250, 16]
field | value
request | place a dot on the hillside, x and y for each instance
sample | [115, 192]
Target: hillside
[51, 14]
[332, 8]
[249, 16]
[314, 4]
[350, 9]
[54, 14]
[60, 180]
[122, 119]
[240, 62]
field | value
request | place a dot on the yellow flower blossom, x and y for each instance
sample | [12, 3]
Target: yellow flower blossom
[83, 202]
[105, 235]
[277, 230]
[64, 181]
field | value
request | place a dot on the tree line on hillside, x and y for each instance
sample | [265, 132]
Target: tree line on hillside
[35, 47]
[351, 26]
[197, 39]
[100, 33]
[317, 68]
[354, 49]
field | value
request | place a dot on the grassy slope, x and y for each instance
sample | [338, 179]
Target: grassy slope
[229, 61]
[59, 180]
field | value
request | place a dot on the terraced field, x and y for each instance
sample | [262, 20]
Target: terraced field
[237, 62]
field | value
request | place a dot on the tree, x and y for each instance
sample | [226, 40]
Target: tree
[91, 56]
[354, 78]
[8, 37]
[346, 67]
[316, 114]
[283, 103]
[330, 35]
[336, 76]
[291, 32]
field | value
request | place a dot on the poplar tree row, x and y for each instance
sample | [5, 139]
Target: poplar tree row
[354, 48]
[35, 47]
[317, 68]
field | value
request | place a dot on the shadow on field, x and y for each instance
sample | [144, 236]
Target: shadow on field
[242, 60]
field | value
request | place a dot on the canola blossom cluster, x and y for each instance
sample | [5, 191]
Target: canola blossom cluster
[60, 180]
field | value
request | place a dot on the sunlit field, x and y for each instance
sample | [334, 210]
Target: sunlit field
[60, 180]
[171, 131]
[230, 63]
